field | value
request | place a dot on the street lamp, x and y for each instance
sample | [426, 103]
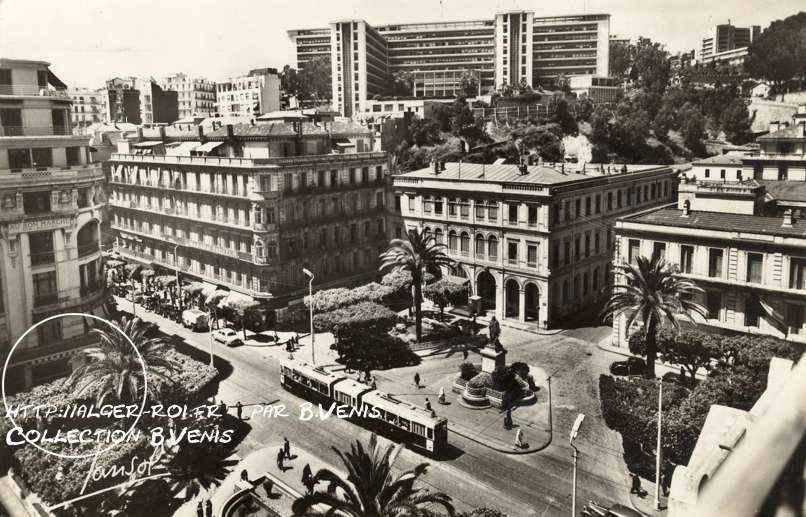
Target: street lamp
[574, 432]
[310, 305]
[659, 449]
[178, 290]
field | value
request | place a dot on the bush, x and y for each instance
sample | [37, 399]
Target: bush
[332, 299]
[467, 371]
[482, 380]
[364, 317]
[520, 369]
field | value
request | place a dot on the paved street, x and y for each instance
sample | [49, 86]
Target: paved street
[474, 475]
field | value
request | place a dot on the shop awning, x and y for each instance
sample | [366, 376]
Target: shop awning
[208, 147]
[236, 297]
[183, 149]
[150, 143]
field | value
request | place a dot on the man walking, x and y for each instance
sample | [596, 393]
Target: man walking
[239, 409]
[208, 508]
[636, 484]
[280, 457]
[508, 420]
[519, 439]
[417, 379]
[286, 448]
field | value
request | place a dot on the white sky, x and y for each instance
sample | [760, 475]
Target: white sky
[88, 41]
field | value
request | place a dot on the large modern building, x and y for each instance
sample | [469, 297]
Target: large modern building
[533, 241]
[52, 202]
[246, 207]
[510, 48]
[727, 43]
[738, 231]
[195, 95]
[250, 95]
[89, 107]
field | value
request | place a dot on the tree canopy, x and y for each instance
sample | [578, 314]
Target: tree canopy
[779, 53]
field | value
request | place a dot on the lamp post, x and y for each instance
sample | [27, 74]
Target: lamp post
[211, 346]
[658, 449]
[310, 305]
[574, 432]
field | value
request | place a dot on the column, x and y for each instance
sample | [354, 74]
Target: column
[499, 297]
[522, 305]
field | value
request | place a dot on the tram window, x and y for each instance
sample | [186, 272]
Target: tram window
[404, 423]
[430, 434]
[418, 428]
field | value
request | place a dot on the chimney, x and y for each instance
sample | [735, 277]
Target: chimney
[787, 218]
[230, 133]
[139, 133]
[435, 165]
[686, 208]
[162, 133]
[200, 131]
[441, 166]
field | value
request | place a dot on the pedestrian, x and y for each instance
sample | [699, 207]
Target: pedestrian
[310, 484]
[239, 410]
[441, 396]
[268, 486]
[287, 448]
[636, 484]
[222, 409]
[508, 420]
[306, 473]
[374, 385]
[200, 509]
[276, 337]
[417, 379]
[428, 405]
[280, 457]
[208, 506]
[244, 475]
[464, 352]
[296, 338]
[519, 439]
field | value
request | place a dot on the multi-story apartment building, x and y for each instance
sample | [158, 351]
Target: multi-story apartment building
[250, 95]
[737, 230]
[140, 101]
[89, 106]
[196, 95]
[725, 42]
[246, 207]
[533, 241]
[52, 203]
[512, 47]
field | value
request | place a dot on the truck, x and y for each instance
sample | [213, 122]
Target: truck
[194, 319]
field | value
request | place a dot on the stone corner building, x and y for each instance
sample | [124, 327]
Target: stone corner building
[245, 207]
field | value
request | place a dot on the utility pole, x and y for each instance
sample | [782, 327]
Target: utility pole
[658, 449]
[310, 304]
[178, 287]
[575, 454]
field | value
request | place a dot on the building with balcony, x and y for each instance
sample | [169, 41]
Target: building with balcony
[250, 95]
[246, 207]
[737, 241]
[196, 95]
[89, 107]
[533, 241]
[507, 49]
[51, 194]
[140, 101]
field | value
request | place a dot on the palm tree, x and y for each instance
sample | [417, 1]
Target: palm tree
[116, 369]
[652, 292]
[193, 469]
[212, 302]
[370, 490]
[419, 254]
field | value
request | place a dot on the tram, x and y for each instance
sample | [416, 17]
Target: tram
[396, 419]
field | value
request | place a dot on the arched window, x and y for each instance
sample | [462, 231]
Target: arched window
[465, 243]
[88, 239]
[492, 248]
[438, 236]
[452, 241]
[480, 245]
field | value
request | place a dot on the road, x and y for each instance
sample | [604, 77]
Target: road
[474, 475]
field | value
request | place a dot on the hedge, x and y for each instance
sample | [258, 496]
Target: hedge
[332, 299]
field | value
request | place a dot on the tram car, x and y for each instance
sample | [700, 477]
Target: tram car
[396, 419]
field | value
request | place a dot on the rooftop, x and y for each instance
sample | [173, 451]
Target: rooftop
[721, 221]
[731, 158]
[510, 173]
[786, 190]
[786, 132]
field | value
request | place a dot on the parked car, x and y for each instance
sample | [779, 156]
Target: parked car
[227, 336]
[194, 319]
[632, 366]
[594, 509]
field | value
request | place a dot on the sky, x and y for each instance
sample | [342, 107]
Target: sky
[89, 41]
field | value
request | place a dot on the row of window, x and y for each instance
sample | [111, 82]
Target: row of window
[40, 157]
[573, 209]
[754, 263]
[754, 311]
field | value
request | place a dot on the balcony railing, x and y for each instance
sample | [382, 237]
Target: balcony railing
[35, 131]
[42, 258]
[31, 89]
[248, 162]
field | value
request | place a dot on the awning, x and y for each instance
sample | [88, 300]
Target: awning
[183, 149]
[208, 288]
[206, 148]
[55, 81]
[148, 144]
[236, 297]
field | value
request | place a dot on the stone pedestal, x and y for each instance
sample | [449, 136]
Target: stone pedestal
[475, 304]
[492, 358]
